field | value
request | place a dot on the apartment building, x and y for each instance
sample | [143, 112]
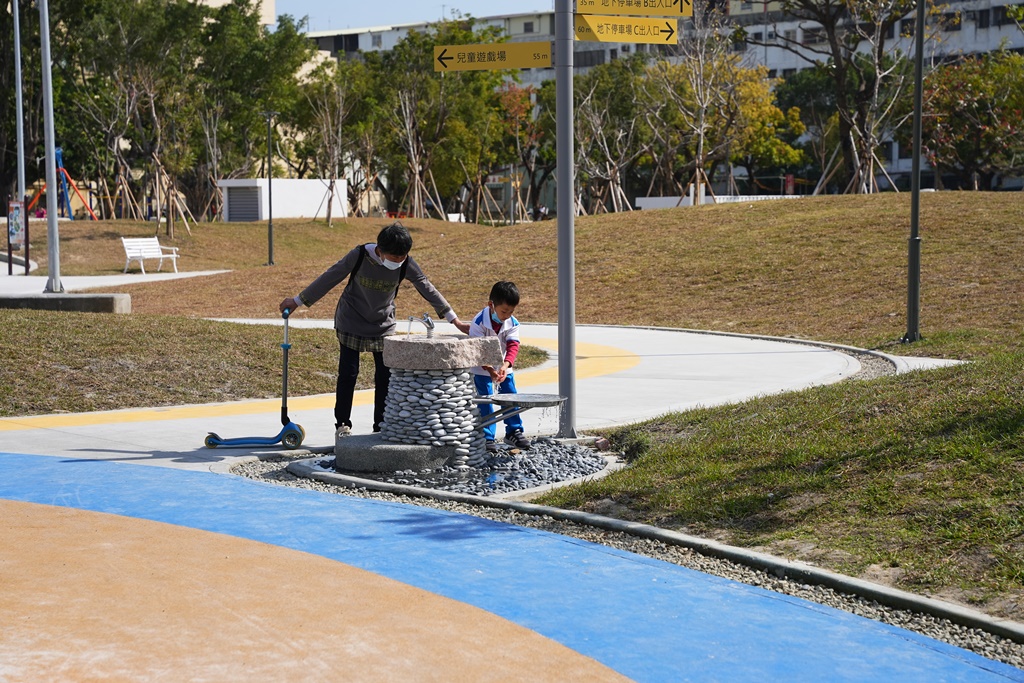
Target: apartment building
[268, 14]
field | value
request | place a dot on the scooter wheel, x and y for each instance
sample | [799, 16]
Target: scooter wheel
[211, 440]
[292, 439]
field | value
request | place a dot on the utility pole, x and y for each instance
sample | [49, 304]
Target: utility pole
[53, 283]
[269, 116]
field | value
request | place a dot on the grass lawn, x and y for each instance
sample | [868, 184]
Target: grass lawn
[915, 480]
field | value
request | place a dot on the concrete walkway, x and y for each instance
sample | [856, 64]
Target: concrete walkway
[175, 571]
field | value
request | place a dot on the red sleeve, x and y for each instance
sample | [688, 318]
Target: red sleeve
[511, 351]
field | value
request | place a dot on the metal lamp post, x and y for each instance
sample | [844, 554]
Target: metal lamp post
[269, 116]
[914, 247]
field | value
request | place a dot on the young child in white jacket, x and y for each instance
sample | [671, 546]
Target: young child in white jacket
[496, 320]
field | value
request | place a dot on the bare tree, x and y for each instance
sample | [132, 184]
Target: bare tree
[853, 39]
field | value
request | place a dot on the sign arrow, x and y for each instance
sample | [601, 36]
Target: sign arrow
[441, 58]
[671, 31]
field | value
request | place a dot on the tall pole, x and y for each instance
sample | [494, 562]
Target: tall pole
[914, 246]
[269, 115]
[566, 200]
[19, 105]
[53, 283]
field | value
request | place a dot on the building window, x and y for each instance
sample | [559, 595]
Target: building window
[589, 58]
[906, 151]
[757, 37]
[1000, 17]
[885, 151]
[773, 73]
[376, 41]
[951, 21]
[907, 28]
[983, 17]
[789, 36]
[527, 27]
[786, 73]
[814, 36]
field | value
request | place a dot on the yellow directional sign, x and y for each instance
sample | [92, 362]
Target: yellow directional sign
[645, 8]
[626, 30]
[492, 56]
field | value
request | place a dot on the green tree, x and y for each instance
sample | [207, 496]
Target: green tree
[243, 71]
[434, 115]
[852, 41]
[972, 118]
[766, 132]
[64, 14]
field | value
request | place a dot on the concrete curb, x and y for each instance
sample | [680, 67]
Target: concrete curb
[78, 303]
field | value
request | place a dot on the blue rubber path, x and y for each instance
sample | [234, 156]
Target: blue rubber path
[647, 619]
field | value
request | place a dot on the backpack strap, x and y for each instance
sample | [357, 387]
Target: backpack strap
[401, 274]
[359, 262]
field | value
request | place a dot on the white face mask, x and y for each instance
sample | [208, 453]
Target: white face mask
[391, 265]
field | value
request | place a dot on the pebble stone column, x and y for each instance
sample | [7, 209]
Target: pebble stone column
[435, 408]
[430, 396]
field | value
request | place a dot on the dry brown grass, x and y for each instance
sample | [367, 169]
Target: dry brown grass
[827, 268]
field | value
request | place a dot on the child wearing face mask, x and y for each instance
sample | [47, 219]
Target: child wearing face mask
[365, 313]
[496, 320]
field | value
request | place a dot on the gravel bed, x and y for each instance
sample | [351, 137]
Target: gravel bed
[976, 640]
[507, 471]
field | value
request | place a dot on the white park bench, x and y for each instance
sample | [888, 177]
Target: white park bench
[139, 248]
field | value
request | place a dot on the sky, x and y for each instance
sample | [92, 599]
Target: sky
[326, 15]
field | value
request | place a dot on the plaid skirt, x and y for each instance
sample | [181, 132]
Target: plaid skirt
[357, 343]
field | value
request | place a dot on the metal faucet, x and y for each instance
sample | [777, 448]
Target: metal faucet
[425, 321]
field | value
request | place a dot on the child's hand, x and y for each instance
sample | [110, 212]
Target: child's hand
[500, 374]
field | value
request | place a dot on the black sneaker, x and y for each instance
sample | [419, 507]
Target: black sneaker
[491, 446]
[517, 440]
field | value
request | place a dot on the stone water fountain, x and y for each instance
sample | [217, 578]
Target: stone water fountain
[430, 418]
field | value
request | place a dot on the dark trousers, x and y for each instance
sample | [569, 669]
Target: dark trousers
[348, 371]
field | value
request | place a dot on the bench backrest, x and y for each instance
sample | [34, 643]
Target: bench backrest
[142, 246]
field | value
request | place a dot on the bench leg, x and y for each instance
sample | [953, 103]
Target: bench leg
[126, 262]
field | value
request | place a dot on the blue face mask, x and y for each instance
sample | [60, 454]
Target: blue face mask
[495, 318]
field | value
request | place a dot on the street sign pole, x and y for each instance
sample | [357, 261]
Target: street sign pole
[566, 202]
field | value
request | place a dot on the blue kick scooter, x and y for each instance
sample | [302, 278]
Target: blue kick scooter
[291, 435]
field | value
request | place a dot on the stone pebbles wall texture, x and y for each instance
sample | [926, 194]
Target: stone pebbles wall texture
[435, 408]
